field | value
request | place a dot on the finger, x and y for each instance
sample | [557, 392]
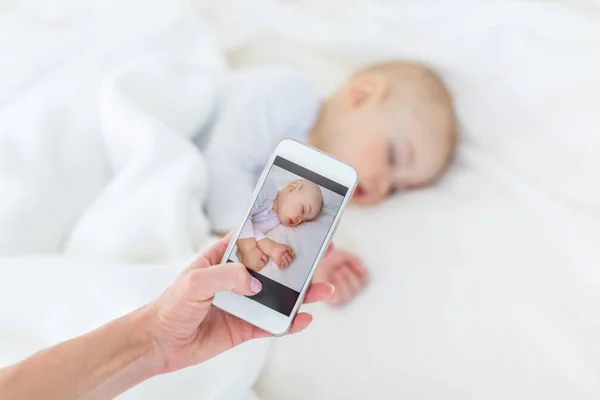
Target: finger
[338, 257]
[247, 330]
[204, 283]
[319, 292]
[258, 333]
[330, 248]
[343, 257]
[214, 254]
[227, 238]
[347, 280]
[300, 323]
[354, 280]
[341, 291]
[359, 269]
[264, 258]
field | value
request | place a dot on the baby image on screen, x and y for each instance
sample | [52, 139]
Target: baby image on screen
[298, 202]
[285, 230]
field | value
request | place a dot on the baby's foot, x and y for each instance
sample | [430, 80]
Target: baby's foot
[283, 255]
[254, 259]
[344, 271]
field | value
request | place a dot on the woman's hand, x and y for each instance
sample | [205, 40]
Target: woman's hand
[186, 328]
[179, 329]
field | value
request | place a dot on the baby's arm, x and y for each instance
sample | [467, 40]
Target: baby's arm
[282, 254]
[249, 253]
[251, 256]
[265, 105]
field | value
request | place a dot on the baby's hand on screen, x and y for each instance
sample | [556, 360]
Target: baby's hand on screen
[255, 259]
[283, 255]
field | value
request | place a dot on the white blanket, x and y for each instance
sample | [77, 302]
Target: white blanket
[97, 176]
[100, 163]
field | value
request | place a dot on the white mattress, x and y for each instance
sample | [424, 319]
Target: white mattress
[484, 286]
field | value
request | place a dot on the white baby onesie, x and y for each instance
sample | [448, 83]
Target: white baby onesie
[258, 108]
[262, 218]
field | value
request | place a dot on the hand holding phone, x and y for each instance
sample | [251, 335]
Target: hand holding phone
[296, 207]
[184, 326]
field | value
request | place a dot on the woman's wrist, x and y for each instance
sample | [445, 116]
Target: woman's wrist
[143, 341]
[131, 355]
[100, 364]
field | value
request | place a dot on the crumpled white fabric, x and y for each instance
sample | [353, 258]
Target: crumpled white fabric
[101, 196]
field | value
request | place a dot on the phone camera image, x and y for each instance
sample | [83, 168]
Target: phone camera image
[285, 229]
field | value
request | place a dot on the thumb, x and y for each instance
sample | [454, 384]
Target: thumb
[206, 282]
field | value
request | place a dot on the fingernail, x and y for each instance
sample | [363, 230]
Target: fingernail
[255, 285]
[332, 288]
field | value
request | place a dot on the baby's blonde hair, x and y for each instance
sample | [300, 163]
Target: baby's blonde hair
[315, 188]
[418, 95]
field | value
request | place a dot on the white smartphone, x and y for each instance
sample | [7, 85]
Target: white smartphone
[297, 203]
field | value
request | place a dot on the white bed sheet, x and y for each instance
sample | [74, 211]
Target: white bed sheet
[486, 285]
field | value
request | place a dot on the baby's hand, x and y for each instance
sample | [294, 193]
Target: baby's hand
[283, 255]
[254, 259]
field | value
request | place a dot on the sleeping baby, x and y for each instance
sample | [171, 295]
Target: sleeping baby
[298, 202]
[393, 121]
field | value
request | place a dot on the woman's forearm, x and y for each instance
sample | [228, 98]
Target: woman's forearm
[99, 365]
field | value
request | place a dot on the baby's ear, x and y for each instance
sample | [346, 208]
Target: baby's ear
[364, 88]
[293, 186]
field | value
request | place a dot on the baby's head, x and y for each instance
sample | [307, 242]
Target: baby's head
[394, 123]
[298, 202]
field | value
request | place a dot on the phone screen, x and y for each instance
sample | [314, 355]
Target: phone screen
[284, 231]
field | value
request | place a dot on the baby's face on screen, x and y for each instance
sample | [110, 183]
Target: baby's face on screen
[298, 202]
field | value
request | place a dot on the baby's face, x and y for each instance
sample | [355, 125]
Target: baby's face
[386, 157]
[389, 150]
[298, 202]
